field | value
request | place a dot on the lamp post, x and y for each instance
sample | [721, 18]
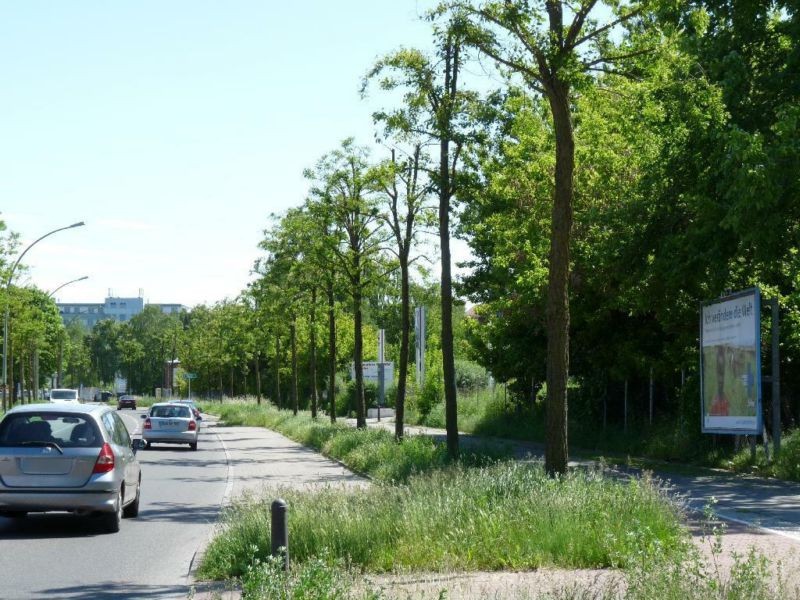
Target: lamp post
[60, 343]
[51, 294]
[8, 304]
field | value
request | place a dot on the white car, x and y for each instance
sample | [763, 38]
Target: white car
[64, 395]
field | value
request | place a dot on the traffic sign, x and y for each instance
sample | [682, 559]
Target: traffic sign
[190, 375]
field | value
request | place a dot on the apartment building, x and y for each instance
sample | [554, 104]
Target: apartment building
[115, 307]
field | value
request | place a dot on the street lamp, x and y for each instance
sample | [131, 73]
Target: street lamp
[8, 303]
[51, 294]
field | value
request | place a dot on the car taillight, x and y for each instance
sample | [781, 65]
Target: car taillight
[148, 424]
[192, 425]
[105, 460]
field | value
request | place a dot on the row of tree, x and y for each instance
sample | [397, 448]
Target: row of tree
[637, 158]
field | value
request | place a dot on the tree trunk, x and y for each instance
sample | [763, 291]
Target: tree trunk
[278, 402]
[60, 365]
[313, 353]
[293, 332]
[358, 352]
[12, 390]
[22, 379]
[405, 324]
[448, 358]
[258, 377]
[556, 445]
[331, 354]
[35, 371]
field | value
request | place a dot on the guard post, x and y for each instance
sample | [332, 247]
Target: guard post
[280, 531]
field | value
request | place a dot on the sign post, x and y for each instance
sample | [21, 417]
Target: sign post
[189, 377]
[381, 343]
[419, 338]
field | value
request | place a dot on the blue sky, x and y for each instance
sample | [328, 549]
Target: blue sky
[173, 129]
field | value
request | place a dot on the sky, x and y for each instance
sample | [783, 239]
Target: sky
[174, 129]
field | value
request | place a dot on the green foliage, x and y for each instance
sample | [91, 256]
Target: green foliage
[470, 375]
[319, 578]
[507, 516]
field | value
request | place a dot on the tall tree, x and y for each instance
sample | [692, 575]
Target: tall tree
[407, 192]
[344, 185]
[433, 107]
[553, 58]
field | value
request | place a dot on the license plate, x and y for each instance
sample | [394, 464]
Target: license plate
[170, 423]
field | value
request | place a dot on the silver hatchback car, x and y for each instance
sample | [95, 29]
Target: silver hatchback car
[170, 423]
[68, 457]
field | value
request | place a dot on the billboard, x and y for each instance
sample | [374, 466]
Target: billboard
[370, 371]
[730, 364]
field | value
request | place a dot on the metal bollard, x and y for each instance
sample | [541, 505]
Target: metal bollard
[280, 531]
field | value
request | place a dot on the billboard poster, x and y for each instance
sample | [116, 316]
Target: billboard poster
[730, 364]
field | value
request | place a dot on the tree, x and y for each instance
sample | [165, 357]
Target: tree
[407, 210]
[433, 108]
[552, 59]
[343, 190]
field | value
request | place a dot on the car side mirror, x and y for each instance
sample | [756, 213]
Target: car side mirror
[137, 444]
[144, 416]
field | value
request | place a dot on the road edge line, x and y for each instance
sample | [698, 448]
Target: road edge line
[191, 580]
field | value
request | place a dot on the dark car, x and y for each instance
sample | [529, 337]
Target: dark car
[126, 401]
[103, 396]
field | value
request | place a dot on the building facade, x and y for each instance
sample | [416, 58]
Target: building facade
[115, 307]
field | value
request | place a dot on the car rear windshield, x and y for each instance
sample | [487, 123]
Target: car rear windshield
[170, 412]
[63, 395]
[68, 431]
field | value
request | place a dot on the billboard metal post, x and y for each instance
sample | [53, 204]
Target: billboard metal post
[776, 377]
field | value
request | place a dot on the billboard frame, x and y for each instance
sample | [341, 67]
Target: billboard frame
[759, 409]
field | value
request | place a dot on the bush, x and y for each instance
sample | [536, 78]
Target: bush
[431, 394]
[470, 375]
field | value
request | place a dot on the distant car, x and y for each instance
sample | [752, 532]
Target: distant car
[64, 395]
[68, 457]
[103, 396]
[170, 423]
[126, 401]
[190, 403]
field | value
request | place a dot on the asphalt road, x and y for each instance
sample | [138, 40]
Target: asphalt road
[67, 557]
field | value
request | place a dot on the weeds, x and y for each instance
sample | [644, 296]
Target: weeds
[507, 516]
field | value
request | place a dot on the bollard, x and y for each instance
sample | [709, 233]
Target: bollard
[280, 531]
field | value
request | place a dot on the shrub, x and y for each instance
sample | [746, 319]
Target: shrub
[470, 375]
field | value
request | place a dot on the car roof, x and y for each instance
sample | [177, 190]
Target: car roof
[63, 390]
[59, 408]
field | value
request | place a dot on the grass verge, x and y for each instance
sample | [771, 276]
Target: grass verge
[426, 513]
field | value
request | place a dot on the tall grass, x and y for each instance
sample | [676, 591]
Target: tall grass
[373, 452]
[505, 516]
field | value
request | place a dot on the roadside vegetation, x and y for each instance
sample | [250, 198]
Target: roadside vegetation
[424, 513]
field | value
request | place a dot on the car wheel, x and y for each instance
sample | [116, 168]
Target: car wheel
[193, 445]
[111, 521]
[132, 510]
[146, 445]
